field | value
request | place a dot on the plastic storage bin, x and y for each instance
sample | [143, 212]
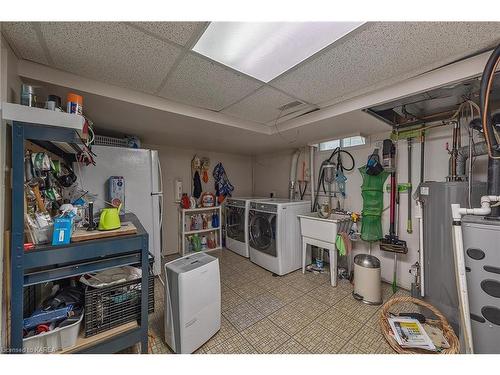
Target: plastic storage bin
[114, 305]
[53, 341]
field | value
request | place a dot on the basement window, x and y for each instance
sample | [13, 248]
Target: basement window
[356, 140]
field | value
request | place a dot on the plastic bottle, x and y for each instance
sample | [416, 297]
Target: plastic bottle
[215, 220]
[204, 243]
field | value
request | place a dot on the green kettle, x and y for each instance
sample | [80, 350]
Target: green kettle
[110, 218]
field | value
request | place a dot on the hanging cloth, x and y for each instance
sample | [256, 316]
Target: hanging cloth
[339, 243]
[196, 185]
[223, 187]
[205, 164]
[347, 242]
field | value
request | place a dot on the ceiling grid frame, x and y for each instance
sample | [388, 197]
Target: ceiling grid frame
[186, 49]
[43, 42]
[18, 52]
[215, 85]
[328, 76]
[111, 52]
[136, 26]
[329, 122]
[280, 114]
[181, 56]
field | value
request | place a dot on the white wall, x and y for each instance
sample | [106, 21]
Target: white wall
[271, 174]
[176, 164]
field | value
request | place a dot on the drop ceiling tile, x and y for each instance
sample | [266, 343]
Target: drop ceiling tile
[111, 52]
[383, 53]
[203, 83]
[262, 106]
[178, 32]
[24, 40]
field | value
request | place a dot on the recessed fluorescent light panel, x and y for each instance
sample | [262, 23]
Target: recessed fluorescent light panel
[265, 50]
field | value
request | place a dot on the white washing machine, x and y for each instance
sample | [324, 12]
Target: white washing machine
[236, 213]
[274, 234]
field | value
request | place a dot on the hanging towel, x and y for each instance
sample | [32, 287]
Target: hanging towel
[347, 242]
[196, 185]
[223, 187]
[339, 243]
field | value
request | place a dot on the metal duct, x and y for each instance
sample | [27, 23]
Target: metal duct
[311, 173]
[293, 175]
[479, 149]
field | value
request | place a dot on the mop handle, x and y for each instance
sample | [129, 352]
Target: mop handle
[392, 230]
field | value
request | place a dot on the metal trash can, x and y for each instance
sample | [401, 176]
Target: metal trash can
[367, 282]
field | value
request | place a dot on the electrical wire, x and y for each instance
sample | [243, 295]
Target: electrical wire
[90, 127]
[87, 156]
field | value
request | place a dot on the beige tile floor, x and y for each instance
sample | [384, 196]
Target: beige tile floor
[294, 313]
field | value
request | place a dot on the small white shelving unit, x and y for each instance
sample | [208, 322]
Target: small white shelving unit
[185, 216]
[22, 113]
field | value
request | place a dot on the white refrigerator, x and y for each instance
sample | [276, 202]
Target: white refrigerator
[143, 187]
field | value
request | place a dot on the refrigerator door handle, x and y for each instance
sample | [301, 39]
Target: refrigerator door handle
[160, 175]
[160, 204]
[160, 198]
[156, 172]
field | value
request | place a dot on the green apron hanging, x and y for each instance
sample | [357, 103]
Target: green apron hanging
[372, 191]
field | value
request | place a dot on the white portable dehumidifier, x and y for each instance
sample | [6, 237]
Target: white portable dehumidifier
[192, 302]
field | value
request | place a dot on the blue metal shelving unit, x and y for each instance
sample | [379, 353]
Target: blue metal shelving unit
[49, 263]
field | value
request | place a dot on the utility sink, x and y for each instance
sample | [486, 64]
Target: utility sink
[323, 229]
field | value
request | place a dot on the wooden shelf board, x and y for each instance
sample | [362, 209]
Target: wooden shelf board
[81, 234]
[187, 210]
[87, 342]
[202, 230]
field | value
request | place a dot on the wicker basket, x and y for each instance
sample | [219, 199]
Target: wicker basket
[440, 323]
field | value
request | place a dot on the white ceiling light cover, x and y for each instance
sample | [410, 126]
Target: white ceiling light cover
[265, 50]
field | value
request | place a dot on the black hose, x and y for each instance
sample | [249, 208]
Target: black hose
[302, 192]
[321, 178]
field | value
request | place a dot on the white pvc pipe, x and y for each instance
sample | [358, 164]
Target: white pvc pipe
[311, 172]
[420, 216]
[485, 206]
[461, 279]
[293, 175]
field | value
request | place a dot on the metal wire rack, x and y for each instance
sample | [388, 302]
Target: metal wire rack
[112, 306]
